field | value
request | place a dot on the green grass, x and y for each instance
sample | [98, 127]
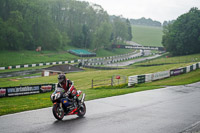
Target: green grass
[30, 57]
[21, 103]
[10, 105]
[83, 80]
[10, 58]
[147, 35]
[23, 69]
[172, 60]
[103, 52]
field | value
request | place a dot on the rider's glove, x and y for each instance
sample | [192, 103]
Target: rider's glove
[65, 95]
[68, 92]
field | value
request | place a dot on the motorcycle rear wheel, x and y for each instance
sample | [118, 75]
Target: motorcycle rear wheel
[58, 112]
[82, 110]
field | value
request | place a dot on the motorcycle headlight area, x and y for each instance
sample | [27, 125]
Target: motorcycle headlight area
[52, 97]
[57, 95]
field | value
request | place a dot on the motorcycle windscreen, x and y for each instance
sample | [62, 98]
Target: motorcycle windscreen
[65, 102]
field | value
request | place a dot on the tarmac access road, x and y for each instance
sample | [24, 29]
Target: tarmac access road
[174, 109]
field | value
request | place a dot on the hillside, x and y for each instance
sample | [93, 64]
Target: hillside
[147, 35]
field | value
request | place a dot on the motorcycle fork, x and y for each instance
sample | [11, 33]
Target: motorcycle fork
[60, 105]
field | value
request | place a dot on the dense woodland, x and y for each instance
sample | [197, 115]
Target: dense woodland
[182, 36]
[54, 24]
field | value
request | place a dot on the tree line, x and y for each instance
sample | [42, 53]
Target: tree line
[146, 22]
[54, 24]
[182, 36]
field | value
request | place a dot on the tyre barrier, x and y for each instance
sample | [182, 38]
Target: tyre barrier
[40, 64]
[138, 79]
[73, 61]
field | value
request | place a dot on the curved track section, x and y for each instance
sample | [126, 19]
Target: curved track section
[167, 110]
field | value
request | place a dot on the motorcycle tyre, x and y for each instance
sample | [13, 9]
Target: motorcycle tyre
[82, 110]
[54, 109]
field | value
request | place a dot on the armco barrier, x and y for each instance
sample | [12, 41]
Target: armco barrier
[26, 90]
[137, 79]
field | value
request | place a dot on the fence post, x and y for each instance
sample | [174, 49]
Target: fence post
[111, 81]
[92, 83]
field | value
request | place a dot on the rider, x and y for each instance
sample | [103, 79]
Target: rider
[68, 86]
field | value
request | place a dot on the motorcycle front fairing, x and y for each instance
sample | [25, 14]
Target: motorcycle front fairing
[57, 94]
[66, 102]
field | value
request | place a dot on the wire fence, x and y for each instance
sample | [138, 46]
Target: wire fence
[113, 81]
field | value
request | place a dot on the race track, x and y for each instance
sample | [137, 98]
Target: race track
[167, 110]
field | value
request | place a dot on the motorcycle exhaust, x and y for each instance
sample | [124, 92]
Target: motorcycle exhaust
[83, 98]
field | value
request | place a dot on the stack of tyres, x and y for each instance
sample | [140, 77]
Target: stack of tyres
[197, 65]
[141, 79]
[194, 66]
[191, 68]
[132, 80]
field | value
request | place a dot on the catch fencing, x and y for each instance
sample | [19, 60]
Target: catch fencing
[138, 79]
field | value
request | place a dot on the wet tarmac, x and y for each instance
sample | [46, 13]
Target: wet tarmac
[166, 110]
[130, 62]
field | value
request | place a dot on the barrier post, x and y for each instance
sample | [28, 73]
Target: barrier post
[92, 82]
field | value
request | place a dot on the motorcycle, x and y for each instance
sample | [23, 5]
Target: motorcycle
[63, 106]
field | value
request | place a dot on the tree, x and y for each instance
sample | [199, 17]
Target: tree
[182, 37]
[120, 29]
[144, 21]
[102, 35]
[129, 30]
[54, 24]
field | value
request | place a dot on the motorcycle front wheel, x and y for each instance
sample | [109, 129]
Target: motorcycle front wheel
[82, 110]
[58, 112]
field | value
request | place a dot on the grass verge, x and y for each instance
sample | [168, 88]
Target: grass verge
[10, 105]
[171, 60]
[12, 58]
[83, 79]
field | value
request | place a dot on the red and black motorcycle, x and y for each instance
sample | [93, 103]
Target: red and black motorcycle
[63, 106]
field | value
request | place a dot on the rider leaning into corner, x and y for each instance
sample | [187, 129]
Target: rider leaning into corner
[68, 86]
